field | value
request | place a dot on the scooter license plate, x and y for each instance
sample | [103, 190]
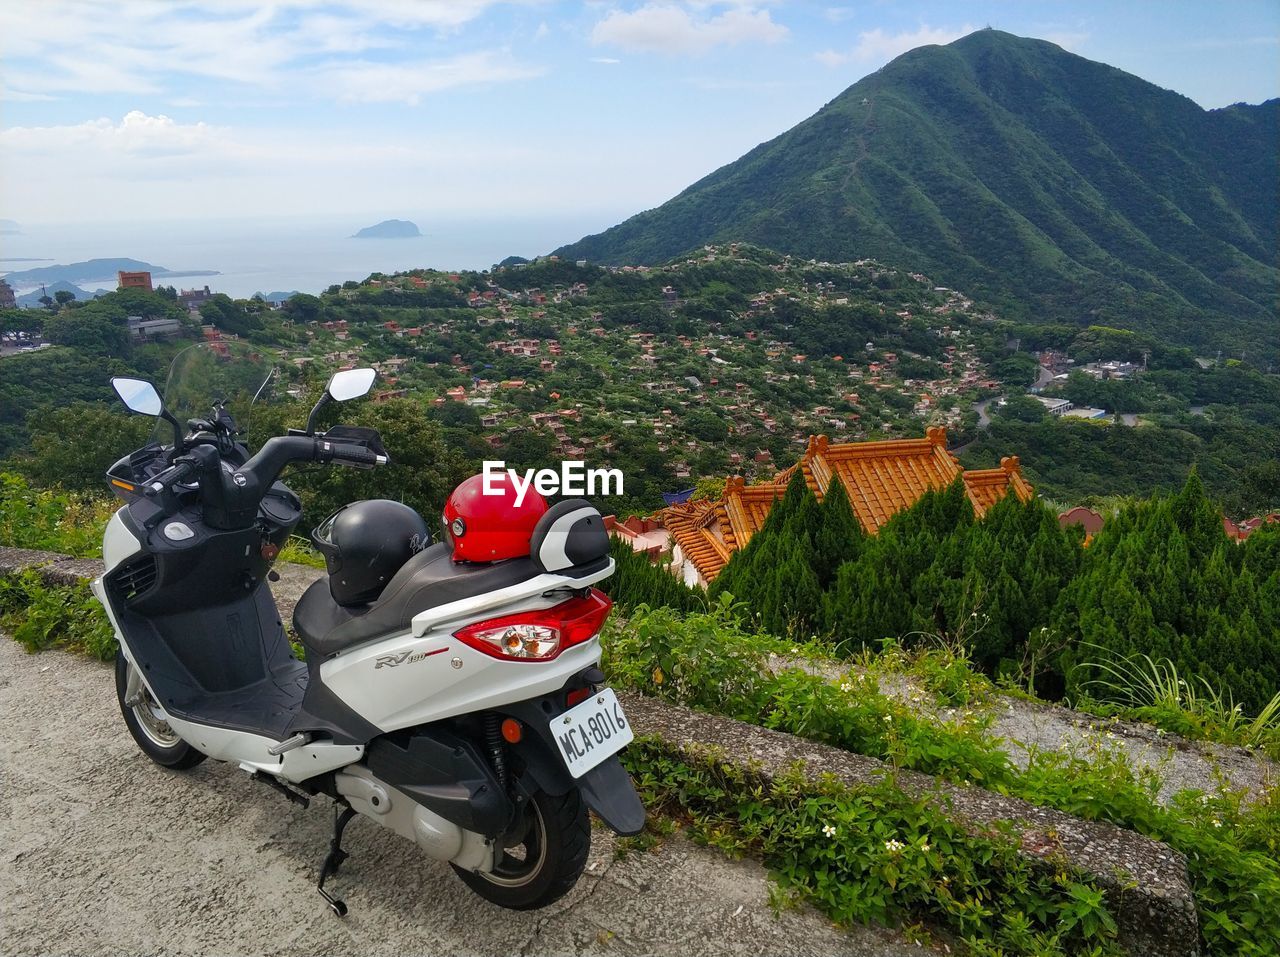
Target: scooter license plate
[592, 731]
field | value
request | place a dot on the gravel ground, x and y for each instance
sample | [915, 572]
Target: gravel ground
[103, 852]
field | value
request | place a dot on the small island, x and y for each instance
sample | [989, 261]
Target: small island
[389, 229]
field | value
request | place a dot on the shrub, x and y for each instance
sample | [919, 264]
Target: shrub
[638, 581]
[877, 854]
[41, 616]
[1163, 580]
[52, 519]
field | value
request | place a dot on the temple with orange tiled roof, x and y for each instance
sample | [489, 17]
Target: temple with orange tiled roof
[880, 479]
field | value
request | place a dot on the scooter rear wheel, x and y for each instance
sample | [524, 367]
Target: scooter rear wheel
[545, 862]
[150, 731]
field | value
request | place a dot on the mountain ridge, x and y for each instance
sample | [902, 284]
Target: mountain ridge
[1055, 187]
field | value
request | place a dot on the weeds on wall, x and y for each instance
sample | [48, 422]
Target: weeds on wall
[711, 662]
[41, 616]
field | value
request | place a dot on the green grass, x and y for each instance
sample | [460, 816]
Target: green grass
[875, 853]
[1153, 690]
[710, 661]
[861, 854]
[51, 519]
[41, 616]
[300, 551]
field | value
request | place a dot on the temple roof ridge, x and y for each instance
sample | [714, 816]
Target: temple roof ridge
[880, 479]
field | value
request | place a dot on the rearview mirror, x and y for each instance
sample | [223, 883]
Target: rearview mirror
[350, 384]
[139, 395]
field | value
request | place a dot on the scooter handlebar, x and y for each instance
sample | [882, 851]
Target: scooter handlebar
[357, 455]
[170, 477]
[231, 497]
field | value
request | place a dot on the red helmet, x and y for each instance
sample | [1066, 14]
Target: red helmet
[489, 528]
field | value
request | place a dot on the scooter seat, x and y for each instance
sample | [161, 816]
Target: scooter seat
[569, 540]
[426, 580]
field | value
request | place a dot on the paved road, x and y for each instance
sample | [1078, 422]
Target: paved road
[103, 852]
[984, 420]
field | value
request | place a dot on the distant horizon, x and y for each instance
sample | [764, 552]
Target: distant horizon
[277, 253]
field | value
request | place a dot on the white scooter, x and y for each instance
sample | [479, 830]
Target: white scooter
[462, 707]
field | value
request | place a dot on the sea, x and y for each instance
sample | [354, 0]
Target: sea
[304, 254]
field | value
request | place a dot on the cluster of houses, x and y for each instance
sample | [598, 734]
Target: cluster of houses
[659, 367]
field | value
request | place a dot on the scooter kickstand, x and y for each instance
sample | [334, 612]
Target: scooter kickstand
[333, 860]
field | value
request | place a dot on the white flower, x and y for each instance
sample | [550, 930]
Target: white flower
[1217, 823]
[926, 846]
[828, 830]
[845, 686]
[893, 846]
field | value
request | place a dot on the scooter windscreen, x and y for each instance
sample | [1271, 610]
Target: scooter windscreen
[233, 373]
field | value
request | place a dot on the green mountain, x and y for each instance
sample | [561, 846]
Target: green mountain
[1058, 188]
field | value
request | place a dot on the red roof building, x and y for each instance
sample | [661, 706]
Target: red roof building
[880, 479]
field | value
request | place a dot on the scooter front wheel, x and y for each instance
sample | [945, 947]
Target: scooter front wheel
[145, 721]
[544, 863]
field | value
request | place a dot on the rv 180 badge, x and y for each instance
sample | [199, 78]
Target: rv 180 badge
[403, 657]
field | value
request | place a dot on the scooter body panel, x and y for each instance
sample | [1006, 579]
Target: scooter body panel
[118, 542]
[441, 678]
[521, 596]
[249, 751]
[427, 674]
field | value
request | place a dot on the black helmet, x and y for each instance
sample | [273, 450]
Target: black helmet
[365, 543]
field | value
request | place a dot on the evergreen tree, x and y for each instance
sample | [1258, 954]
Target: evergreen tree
[839, 536]
[1163, 580]
[638, 581]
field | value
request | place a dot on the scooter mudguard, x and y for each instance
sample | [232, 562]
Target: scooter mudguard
[608, 791]
[606, 788]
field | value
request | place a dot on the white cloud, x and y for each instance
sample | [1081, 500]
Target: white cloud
[831, 57]
[140, 46]
[667, 28]
[876, 46]
[22, 96]
[148, 167]
[136, 134]
[408, 82]
[608, 60]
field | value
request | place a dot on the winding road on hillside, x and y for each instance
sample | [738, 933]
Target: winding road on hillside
[103, 852]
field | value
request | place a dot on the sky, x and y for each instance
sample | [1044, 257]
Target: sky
[148, 110]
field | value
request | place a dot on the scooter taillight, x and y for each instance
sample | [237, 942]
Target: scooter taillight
[540, 635]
